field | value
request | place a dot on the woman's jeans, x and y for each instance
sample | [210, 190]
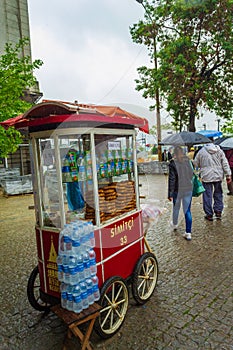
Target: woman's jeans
[186, 199]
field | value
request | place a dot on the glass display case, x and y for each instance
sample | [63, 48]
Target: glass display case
[89, 175]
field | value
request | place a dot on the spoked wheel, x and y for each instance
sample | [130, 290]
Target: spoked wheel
[114, 299]
[144, 277]
[33, 292]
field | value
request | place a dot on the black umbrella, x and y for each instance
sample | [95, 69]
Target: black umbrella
[225, 143]
[185, 138]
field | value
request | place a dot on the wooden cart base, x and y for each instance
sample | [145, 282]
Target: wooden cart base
[73, 321]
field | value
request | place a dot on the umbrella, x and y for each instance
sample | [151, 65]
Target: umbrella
[225, 143]
[210, 133]
[185, 138]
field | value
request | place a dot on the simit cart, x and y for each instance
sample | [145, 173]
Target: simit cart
[84, 168]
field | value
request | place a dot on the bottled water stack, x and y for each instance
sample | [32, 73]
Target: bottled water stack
[77, 268]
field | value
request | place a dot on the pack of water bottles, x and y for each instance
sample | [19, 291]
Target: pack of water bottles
[77, 268]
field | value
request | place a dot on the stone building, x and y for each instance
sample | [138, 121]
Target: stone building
[14, 25]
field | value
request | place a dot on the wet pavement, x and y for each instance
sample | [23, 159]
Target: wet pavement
[191, 308]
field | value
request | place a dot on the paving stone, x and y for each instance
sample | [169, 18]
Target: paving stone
[191, 308]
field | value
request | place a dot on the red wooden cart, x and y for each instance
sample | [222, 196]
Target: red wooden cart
[108, 184]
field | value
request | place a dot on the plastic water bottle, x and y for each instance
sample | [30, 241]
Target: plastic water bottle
[66, 174]
[110, 159]
[80, 271]
[92, 254]
[80, 267]
[76, 238]
[75, 247]
[63, 289]
[85, 235]
[60, 268]
[79, 256]
[88, 157]
[103, 167]
[91, 234]
[87, 264]
[77, 304]
[89, 172]
[65, 266]
[93, 267]
[82, 236]
[96, 291]
[90, 294]
[73, 270]
[130, 161]
[66, 274]
[69, 304]
[68, 240]
[81, 169]
[61, 250]
[77, 299]
[84, 295]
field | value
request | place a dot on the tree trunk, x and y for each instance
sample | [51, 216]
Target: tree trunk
[192, 114]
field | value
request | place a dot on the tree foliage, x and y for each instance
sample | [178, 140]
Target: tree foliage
[194, 52]
[16, 76]
[9, 140]
[227, 128]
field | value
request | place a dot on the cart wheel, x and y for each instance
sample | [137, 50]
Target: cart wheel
[33, 291]
[144, 277]
[114, 299]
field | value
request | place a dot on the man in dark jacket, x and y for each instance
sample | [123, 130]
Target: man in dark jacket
[180, 189]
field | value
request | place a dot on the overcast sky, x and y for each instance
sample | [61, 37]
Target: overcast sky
[88, 52]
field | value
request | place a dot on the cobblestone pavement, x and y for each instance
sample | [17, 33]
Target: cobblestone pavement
[191, 308]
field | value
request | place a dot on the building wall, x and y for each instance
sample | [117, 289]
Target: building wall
[14, 23]
[20, 159]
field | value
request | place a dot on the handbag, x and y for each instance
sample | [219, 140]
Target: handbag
[198, 188]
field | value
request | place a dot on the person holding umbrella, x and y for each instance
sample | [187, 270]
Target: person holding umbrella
[180, 189]
[213, 165]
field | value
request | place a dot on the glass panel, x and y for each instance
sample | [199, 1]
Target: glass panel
[115, 172]
[49, 183]
[77, 176]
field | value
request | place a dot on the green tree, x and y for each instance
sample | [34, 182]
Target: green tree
[16, 77]
[227, 128]
[195, 41]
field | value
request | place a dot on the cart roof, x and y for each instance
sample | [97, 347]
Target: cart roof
[49, 113]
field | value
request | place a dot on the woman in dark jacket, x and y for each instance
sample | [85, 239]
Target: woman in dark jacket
[180, 189]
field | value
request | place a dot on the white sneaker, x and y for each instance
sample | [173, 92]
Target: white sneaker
[173, 227]
[187, 235]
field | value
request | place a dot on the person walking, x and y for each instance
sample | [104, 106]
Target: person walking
[213, 165]
[180, 189]
[229, 156]
[191, 153]
[164, 156]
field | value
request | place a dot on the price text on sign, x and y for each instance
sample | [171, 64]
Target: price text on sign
[114, 146]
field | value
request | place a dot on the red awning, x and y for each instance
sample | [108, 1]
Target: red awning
[49, 112]
[12, 121]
